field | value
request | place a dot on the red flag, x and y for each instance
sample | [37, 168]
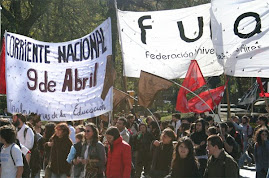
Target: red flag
[194, 79]
[206, 101]
[2, 70]
[262, 94]
[198, 106]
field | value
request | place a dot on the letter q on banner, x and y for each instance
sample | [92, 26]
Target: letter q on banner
[240, 36]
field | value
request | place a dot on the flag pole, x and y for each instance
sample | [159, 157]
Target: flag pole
[227, 98]
[193, 94]
[212, 100]
[146, 108]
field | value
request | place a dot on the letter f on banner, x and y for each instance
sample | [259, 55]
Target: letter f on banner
[143, 27]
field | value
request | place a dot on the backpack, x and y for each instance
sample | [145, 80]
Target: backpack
[26, 167]
[35, 160]
[236, 153]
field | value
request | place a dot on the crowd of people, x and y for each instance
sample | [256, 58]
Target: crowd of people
[133, 147]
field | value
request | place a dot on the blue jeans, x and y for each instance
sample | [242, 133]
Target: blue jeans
[244, 156]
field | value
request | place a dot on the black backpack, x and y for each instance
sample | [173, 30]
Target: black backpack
[26, 167]
[35, 160]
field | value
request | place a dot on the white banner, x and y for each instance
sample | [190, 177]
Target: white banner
[240, 36]
[164, 42]
[59, 81]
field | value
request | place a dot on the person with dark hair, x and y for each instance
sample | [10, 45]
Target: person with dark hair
[142, 146]
[176, 122]
[230, 145]
[210, 120]
[199, 139]
[93, 154]
[154, 130]
[162, 152]
[238, 137]
[261, 152]
[11, 155]
[183, 130]
[220, 163]
[121, 125]
[37, 125]
[157, 117]
[193, 128]
[43, 144]
[263, 122]
[60, 144]
[212, 131]
[132, 125]
[184, 163]
[119, 157]
[24, 133]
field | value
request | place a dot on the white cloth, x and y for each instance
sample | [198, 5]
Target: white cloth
[8, 170]
[28, 140]
[72, 133]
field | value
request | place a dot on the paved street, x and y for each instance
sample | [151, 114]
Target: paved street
[248, 172]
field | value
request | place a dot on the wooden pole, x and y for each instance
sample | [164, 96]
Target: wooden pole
[228, 100]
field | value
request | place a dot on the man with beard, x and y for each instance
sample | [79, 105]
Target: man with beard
[24, 133]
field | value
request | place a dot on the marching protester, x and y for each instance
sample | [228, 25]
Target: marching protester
[263, 122]
[261, 152]
[121, 125]
[247, 135]
[162, 152]
[24, 133]
[176, 122]
[220, 163]
[199, 139]
[184, 163]
[142, 146]
[43, 144]
[93, 155]
[60, 144]
[230, 145]
[74, 153]
[119, 158]
[11, 154]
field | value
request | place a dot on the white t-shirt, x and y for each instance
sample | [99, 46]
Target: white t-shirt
[8, 170]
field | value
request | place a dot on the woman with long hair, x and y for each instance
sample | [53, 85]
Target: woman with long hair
[261, 152]
[93, 155]
[184, 163]
[60, 144]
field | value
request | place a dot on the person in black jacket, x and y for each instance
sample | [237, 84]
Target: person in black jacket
[143, 141]
[184, 163]
[199, 139]
[162, 152]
